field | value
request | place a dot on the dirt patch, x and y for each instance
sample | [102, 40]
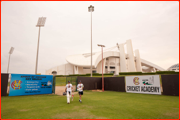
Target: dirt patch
[172, 114]
[78, 114]
[96, 90]
[60, 89]
[82, 106]
[23, 110]
[87, 106]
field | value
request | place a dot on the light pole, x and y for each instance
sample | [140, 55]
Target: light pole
[41, 22]
[10, 52]
[91, 9]
[102, 66]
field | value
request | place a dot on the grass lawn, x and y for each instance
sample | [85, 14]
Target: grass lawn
[96, 105]
[60, 81]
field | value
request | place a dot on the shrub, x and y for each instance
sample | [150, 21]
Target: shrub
[130, 73]
[108, 74]
[167, 72]
[149, 73]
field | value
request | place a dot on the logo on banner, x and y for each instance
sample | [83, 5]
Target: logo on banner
[136, 81]
[16, 84]
[43, 84]
[49, 83]
[46, 83]
[149, 81]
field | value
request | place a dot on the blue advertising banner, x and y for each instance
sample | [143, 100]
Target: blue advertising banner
[28, 84]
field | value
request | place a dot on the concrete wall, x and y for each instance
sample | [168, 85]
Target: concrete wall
[68, 69]
[99, 67]
[109, 62]
[138, 61]
[64, 69]
[80, 70]
[85, 71]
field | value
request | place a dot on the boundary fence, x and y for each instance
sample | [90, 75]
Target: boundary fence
[170, 83]
[4, 83]
[114, 84]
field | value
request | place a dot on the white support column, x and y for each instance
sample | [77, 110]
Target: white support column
[117, 66]
[122, 58]
[138, 61]
[75, 69]
[108, 65]
[154, 69]
[130, 61]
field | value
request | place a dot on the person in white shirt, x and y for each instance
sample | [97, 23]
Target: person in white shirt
[69, 89]
[80, 87]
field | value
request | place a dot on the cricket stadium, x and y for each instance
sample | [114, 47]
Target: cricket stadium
[115, 59]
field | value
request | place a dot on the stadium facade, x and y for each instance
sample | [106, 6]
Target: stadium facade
[115, 59]
[174, 67]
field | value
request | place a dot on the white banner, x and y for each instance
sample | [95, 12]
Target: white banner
[149, 84]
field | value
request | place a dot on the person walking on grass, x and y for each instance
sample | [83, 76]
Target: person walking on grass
[80, 88]
[69, 89]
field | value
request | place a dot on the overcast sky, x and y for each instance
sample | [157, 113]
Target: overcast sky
[153, 28]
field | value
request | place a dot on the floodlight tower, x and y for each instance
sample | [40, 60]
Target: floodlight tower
[102, 66]
[91, 9]
[40, 24]
[10, 52]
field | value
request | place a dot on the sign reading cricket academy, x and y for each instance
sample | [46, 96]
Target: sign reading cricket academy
[149, 84]
[27, 84]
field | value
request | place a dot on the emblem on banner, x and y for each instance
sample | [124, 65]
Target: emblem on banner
[49, 83]
[16, 84]
[149, 81]
[136, 81]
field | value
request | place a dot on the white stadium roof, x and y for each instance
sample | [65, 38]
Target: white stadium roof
[84, 60]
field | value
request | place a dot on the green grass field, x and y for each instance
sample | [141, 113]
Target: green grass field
[60, 81]
[96, 105]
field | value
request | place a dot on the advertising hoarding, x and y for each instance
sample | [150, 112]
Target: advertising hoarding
[28, 84]
[149, 84]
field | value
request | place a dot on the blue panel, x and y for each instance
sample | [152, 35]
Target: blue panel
[28, 84]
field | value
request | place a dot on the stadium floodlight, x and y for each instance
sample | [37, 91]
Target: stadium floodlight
[40, 23]
[101, 45]
[102, 66]
[10, 52]
[91, 9]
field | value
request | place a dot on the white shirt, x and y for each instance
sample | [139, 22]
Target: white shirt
[69, 87]
[80, 86]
